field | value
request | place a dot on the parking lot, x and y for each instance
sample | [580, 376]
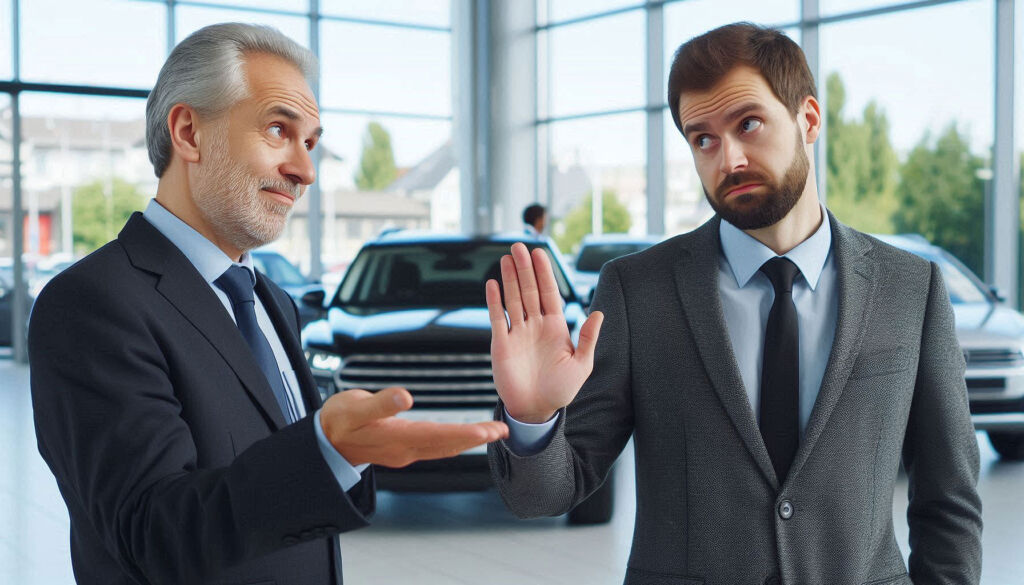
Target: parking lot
[432, 539]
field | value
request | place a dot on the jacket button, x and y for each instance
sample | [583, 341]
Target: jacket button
[773, 580]
[786, 509]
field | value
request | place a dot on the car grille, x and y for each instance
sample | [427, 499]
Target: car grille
[435, 380]
[993, 358]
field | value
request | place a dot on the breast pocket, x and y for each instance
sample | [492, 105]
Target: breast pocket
[882, 362]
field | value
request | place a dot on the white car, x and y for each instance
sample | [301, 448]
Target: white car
[992, 338]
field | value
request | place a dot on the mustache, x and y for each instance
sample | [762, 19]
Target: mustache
[733, 180]
[293, 189]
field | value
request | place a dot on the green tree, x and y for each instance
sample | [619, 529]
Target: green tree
[569, 231]
[100, 209]
[942, 198]
[862, 169]
[377, 164]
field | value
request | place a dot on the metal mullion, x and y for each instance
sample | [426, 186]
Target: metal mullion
[655, 167]
[384, 113]
[882, 10]
[1002, 243]
[595, 16]
[542, 129]
[18, 86]
[388, 23]
[314, 215]
[598, 114]
[810, 43]
[253, 9]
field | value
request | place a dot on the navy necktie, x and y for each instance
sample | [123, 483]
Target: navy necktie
[238, 285]
[780, 370]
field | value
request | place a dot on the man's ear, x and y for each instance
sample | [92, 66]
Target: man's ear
[810, 115]
[183, 122]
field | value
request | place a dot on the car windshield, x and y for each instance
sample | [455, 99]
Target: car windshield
[436, 274]
[961, 284]
[278, 269]
[593, 256]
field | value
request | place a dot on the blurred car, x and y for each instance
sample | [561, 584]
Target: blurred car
[595, 250]
[992, 339]
[411, 312]
[307, 294]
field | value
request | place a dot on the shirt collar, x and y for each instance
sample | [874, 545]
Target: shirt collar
[209, 260]
[745, 254]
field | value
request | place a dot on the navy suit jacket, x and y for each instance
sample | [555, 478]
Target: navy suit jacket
[168, 446]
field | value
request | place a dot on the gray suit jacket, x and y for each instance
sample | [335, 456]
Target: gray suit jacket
[709, 506]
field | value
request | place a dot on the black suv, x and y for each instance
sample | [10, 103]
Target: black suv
[411, 312]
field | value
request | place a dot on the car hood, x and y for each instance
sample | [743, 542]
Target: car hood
[983, 324]
[413, 330]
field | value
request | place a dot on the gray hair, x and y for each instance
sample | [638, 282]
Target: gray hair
[205, 71]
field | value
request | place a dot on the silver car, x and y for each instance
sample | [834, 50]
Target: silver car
[992, 338]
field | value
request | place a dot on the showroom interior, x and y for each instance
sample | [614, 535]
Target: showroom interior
[451, 117]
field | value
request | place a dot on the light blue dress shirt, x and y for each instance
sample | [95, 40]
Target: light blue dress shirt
[747, 296]
[211, 262]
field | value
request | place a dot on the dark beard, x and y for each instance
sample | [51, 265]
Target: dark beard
[750, 211]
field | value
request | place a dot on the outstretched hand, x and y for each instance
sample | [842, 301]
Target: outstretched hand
[363, 427]
[536, 368]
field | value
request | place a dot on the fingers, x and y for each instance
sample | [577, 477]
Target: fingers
[411, 441]
[382, 404]
[496, 313]
[527, 280]
[513, 300]
[550, 298]
[588, 339]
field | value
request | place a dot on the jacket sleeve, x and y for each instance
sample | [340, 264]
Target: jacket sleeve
[940, 454]
[110, 426]
[591, 431]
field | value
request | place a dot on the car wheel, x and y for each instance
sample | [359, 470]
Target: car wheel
[1009, 445]
[598, 508]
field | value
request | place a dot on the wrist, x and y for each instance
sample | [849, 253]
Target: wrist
[531, 417]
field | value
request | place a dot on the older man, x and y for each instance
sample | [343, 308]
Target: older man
[172, 400]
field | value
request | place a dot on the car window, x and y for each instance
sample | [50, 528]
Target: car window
[593, 256]
[278, 269]
[447, 274]
[961, 284]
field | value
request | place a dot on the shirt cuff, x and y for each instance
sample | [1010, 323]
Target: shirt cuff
[343, 471]
[525, 439]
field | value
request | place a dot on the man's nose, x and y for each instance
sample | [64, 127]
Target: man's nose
[299, 167]
[733, 157]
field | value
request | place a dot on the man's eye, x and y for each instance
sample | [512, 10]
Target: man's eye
[276, 131]
[703, 141]
[750, 124]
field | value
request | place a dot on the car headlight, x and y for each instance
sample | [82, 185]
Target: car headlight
[324, 362]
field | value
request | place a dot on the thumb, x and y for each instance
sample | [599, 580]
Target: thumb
[382, 404]
[588, 337]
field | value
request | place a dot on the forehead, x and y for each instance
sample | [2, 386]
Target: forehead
[742, 85]
[273, 81]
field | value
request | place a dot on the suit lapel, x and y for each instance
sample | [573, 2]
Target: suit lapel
[183, 287]
[856, 287]
[696, 277]
[286, 333]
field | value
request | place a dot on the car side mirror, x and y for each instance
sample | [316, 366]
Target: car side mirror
[314, 299]
[997, 293]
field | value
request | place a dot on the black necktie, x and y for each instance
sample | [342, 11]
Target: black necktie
[780, 371]
[238, 285]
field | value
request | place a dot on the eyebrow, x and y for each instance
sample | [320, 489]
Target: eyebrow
[730, 117]
[293, 116]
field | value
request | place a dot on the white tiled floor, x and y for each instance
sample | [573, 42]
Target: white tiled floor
[436, 538]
